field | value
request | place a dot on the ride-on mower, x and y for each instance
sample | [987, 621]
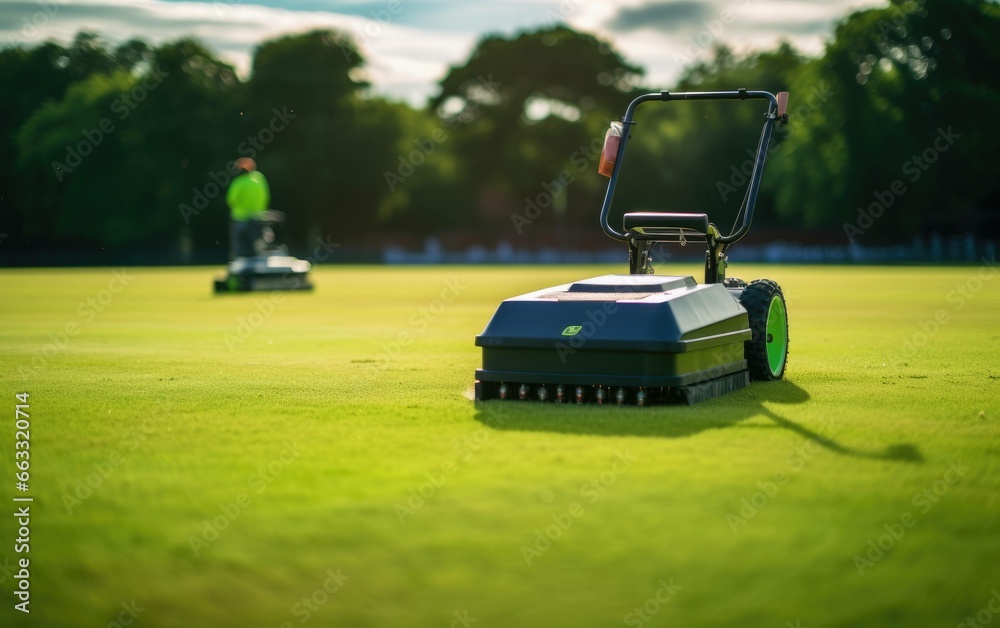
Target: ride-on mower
[642, 338]
[260, 260]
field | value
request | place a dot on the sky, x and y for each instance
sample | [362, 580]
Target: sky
[409, 44]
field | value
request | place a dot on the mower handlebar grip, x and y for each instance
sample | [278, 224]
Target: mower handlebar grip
[782, 98]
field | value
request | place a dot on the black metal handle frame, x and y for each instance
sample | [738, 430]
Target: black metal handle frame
[629, 121]
[717, 243]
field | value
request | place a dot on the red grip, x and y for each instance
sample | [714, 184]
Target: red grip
[782, 103]
[609, 154]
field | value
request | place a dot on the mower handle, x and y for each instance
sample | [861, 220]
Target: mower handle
[776, 110]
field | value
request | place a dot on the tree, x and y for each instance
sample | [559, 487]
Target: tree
[32, 77]
[908, 89]
[423, 190]
[111, 162]
[526, 111]
[183, 143]
[326, 161]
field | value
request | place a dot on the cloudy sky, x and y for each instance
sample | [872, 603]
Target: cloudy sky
[409, 44]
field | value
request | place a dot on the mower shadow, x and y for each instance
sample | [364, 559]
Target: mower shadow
[729, 411]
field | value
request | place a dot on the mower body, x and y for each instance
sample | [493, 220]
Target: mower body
[260, 261]
[670, 338]
[265, 272]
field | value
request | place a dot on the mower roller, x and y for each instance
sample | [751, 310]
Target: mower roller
[642, 338]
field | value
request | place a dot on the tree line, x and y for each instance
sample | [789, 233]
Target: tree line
[129, 148]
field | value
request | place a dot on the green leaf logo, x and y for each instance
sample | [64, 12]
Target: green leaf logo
[572, 330]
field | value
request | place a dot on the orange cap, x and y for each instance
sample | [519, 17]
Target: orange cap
[245, 163]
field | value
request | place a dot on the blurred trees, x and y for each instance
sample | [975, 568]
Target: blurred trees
[308, 129]
[30, 77]
[108, 162]
[130, 148]
[908, 90]
[526, 113]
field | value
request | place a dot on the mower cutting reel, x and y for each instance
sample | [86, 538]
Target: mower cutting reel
[640, 338]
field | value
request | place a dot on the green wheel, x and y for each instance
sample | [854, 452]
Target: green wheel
[766, 352]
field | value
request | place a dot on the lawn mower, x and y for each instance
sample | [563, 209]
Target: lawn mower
[260, 260]
[642, 338]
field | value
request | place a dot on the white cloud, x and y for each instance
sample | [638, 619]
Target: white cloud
[666, 36]
[403, 62]
[406, 60]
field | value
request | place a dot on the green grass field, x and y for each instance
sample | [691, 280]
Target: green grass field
[233, 461]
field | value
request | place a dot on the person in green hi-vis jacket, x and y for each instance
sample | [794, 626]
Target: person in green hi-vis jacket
[248, 194]
[248, 198]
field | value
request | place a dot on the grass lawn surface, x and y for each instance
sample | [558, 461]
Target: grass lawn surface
[259, 460]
